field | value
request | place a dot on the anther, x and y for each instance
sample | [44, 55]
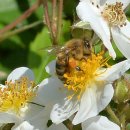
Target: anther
[92, 3]
[97, 6]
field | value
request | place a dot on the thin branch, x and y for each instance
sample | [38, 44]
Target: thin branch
[16, 31]
[54, 17]
[26, 14]
[59, 22]
[47, 19]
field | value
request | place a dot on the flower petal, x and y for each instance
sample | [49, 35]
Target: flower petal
[89, 13]
[50, 91]
[121, 42]
[41, 118]
[114, 72]
[31, 111]
[125, 30]
[99, 123]
[125, 2]
[94, 100]
[50, 68]
[8, 118]
[20, 72]
[24, 126]
[36, 117]
[57, 127]
[64, 110]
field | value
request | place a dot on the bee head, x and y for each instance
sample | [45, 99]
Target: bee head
[87, 47]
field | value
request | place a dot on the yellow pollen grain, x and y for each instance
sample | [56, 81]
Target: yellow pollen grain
[16, 94]
[78, 81]
[114, 14]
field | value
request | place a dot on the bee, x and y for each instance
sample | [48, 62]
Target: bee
[67, 55]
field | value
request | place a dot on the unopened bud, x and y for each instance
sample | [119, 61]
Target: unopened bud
[121, 91]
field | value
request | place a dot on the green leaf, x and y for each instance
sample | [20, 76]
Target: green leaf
[37, 57]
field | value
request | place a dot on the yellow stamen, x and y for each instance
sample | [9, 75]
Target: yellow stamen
[114, 14]
[16, 95]
[78, 81]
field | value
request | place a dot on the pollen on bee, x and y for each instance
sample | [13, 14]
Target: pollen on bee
[16, 94]
[78, 81]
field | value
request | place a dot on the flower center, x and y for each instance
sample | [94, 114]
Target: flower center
[16, 94]
[78, 80]
[114, 14]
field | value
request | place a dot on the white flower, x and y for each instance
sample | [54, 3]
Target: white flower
[92, 94]
[27, 126]
[99, 123]
[16, 101]
[107, 17]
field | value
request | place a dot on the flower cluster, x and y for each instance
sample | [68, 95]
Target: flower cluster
[83, 87]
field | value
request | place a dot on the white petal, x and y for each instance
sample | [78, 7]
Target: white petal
[20, 72]
[37, 116]
[50, 91]
[50, 68]
[8, 118]
[121, 42]
[115, 71]
[125, 30]
[102, 2]
[87, 13]
[99, 123]
[94, 100]
[41, 118]
[31, 111]
[24, 126]
[64, 110]
[57, 127]
[125, 2]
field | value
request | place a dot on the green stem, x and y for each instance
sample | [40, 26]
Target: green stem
[68, 124]
[123, 122]
[113, 115]
[16, 31]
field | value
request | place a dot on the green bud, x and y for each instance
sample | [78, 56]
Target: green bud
[82, 30]
[121, 91]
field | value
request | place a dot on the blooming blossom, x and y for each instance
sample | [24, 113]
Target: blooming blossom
[106, 18]
[86, 92]
[16, 102]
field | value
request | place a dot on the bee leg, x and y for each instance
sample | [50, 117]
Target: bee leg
[79, 69]
[84, 58]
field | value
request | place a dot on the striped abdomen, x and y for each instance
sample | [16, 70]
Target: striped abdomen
[61, 65]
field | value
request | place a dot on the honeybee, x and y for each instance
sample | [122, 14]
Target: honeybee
[67, 55]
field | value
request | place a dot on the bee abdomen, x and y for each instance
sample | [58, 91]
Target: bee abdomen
[61, 65]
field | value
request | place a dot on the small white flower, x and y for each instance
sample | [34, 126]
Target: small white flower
[16, 101]
[99, 123]
[90, 90]
[107, 17]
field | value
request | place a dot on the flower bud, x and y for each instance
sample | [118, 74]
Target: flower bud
[121, 91]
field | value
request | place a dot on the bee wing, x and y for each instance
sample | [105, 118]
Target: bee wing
[53, 49]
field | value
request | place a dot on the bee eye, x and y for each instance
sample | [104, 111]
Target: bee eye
[86, 44]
